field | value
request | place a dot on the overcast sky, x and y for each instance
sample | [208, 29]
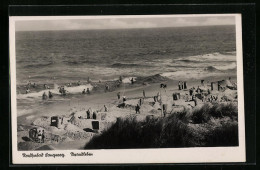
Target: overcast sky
[122, 23]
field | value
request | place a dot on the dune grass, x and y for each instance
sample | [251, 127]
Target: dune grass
[172, 131]
[208, 111]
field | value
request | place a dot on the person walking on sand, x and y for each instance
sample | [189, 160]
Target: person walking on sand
[118, 95]
[179, 85]
[143, 94]
[137, 109]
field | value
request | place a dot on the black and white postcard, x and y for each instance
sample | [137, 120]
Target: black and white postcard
[127, 89]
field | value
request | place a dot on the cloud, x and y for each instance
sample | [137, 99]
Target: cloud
[122, 23]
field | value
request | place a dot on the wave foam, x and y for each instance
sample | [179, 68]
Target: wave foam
[214, 57]
[55, 90]
[233, 65]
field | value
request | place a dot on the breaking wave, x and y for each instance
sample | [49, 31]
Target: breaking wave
[55, 90]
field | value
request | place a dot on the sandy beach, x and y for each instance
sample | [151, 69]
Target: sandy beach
[77, 130]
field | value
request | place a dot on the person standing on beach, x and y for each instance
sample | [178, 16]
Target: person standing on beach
[50, 94]
[39, 135]
[88, 113]
[191, 91]
[84, 91]
[187, 98]
[124, 99]
[185, 85]
[198, 90]
[179, 84]
[132, 80]
[158, 97]
[195, 101]
[105, 107]
[120, 78]
[154, 98]
[44, 96]
[43, 136]
[140, 101]
[78, 83]
[182, 85]
[27, 90]
[137, 109]
[94, 115]
[143, 94]
[106, 87]
[164, 109]
[118, 95]
[88, 92]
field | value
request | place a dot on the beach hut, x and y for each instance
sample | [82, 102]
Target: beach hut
[230, 85]
[226, 84]
[56, 121]
[214, 85]
[95, 125]
[176, 96]
[33, 133]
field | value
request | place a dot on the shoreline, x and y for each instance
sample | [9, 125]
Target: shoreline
[79, 99]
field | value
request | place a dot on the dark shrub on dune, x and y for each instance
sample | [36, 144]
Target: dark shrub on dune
[226, 135]
[207, 111]
[155, 133]
[201, 115]
[183, 129]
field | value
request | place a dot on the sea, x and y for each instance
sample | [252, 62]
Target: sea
[180, 53]
[67, 56]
